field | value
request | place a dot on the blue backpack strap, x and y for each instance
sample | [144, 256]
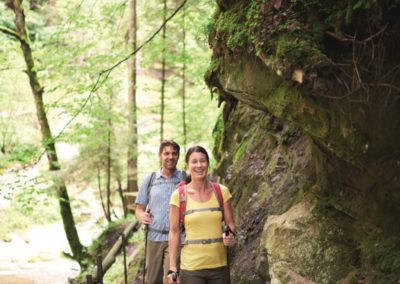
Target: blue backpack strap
[182, 191]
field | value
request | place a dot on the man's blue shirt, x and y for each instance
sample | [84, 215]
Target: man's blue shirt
[158, 202]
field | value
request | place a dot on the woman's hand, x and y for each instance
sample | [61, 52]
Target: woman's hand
[229, 240]
[173, 278]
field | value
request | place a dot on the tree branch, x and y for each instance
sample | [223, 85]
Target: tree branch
[10, 32]
[106, 72]
[386, 85]
[340, 36]
[146, 42]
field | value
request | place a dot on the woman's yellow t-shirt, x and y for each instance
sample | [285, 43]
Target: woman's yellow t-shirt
[202, 225]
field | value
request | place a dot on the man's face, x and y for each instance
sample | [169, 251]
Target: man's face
[169, 158]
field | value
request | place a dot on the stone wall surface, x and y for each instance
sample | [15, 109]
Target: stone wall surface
[308, 140]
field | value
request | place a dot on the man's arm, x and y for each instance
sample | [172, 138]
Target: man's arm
[141, 202]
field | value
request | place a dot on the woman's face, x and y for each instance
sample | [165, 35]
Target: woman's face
[198, 165]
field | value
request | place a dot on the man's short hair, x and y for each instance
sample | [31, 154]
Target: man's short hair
[171, 143]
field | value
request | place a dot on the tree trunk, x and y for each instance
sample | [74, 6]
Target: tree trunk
[100, 193]
[108, 170]
[121, 195]
[184, 130]
[163, 59]
[132, 123]
[47, 138]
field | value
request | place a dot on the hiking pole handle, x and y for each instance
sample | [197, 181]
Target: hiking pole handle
[174, 276]
[227, 230]
[146, 225]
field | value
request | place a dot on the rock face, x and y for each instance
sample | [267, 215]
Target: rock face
[309, 138]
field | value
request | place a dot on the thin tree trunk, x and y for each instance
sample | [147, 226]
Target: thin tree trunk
[121, 195]
[184, 80]
[108, 186]
[163, 60]
[132, 123]
[47, 138]
[100, 193]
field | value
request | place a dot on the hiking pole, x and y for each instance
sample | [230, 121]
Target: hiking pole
[146, 231]
[227, 231]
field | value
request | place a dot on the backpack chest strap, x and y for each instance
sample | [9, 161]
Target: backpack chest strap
[191, 211]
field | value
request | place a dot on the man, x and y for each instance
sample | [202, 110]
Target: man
[152, 208]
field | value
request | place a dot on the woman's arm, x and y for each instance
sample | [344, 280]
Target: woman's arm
[174, 239]
[228, 215]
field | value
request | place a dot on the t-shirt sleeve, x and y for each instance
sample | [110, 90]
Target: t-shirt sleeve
[175, 198]
[226, 194]
[142, 197]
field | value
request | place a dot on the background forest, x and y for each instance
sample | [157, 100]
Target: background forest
[99, 119]
[307, 140]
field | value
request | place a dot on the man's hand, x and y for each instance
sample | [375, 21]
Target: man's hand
[146, 217]
[143, 215]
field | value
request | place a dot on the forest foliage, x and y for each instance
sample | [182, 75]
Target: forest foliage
[80, 51]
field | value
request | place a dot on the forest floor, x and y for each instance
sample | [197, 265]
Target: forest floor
[35, 257]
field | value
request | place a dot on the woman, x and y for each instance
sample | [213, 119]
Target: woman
[204, 250]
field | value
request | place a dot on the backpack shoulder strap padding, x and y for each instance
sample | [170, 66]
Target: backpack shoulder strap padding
[182, 202]
[218, 192]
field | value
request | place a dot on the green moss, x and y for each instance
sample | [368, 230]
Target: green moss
[382, 253]
[241, 150]
[213, 67]
[218, 135]
[293, 34]
[231, 26]
[297, 50]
